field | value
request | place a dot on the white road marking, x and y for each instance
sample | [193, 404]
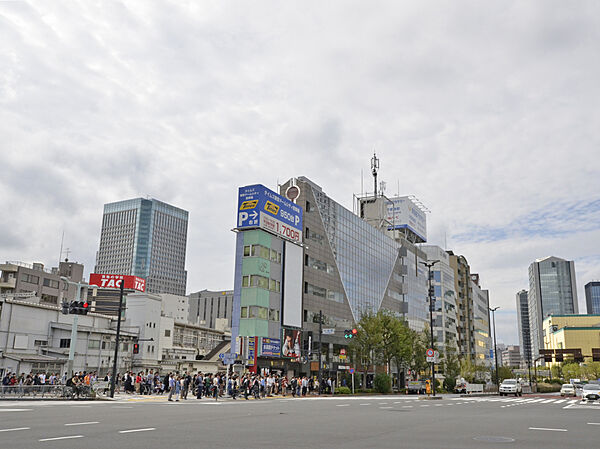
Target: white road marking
[551, 430]
[547, 401]
[122, 407]
[560, 401]
[342, 405]
[81, 406]
[15, 409]
[27, 428]
[594, 423]
[383, 403]
[407, 406]
[138, 430]
[61, 438]
[399, 402]
[364, 404]
[82, 423]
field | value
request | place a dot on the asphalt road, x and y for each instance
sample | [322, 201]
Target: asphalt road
[367, 422]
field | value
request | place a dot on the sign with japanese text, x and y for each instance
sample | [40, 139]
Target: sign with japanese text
[114, 281]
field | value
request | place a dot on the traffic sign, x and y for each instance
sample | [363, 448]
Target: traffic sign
[430, 353]
[351, 370]
[329, 331]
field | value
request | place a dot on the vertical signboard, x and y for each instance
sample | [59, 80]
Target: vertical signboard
[259, 207]
[292, 285]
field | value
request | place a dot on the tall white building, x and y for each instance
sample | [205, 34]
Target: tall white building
[145, 238]
[552, 290]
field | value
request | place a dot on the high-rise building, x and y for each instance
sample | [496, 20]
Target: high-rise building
[552, 290]
[464, 300]
[511, 356]
[145, 238]
[524, 330]
[445, 313]
[481, 321]
[592, 297]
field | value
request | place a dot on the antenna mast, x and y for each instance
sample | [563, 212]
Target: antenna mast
[374, 168]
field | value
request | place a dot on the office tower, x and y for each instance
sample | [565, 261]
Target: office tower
[145, 238]
[552, 290]
[524, 330]
[592, 297]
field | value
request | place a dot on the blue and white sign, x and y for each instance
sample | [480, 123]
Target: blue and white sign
[271, 347]
[259, 207]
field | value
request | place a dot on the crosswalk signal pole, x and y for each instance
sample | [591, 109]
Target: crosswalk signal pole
[113, 378]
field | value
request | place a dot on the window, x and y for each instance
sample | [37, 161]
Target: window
[259, 281]
[245, 283]
[65, 342]
[167, 332]
[40, 343]
[244, 313]
[50, 283]
[30, 278]
[275, 256]
[258, 312]
[308, 206]
[247, 251]
[274, 286]
[49, 298]
[273, 314]
[94, 344]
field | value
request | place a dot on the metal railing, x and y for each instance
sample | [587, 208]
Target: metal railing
[44, 392]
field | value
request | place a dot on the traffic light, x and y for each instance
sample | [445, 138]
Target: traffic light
[136, 348]
[85, 307]
[73, 307]
[349, 333]
[548, 358]
[431, 292]
[65, 307]
[596, 354]
[558, 357]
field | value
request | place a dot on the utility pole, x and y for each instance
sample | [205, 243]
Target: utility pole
[431, 303]
[374, 168]
[73, 341]
[495, 346]
[320, 347]
[114, 370]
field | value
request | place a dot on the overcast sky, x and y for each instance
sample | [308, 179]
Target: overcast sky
[488, 112]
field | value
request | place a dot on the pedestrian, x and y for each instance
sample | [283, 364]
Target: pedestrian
[199, 385]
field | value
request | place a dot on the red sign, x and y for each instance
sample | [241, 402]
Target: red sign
[114, 281]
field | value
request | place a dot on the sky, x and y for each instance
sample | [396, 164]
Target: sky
[485, 111]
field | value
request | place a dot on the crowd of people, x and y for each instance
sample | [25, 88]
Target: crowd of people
[179, 385]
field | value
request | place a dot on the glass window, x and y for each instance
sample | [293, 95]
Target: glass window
[244, 313]
[245, 281]
[94, 344]
[247, 251]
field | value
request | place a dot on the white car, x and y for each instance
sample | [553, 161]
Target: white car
[591, 392]
[568, 390]
[511, 386]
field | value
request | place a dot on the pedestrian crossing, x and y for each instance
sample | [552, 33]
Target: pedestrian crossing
[515, 402]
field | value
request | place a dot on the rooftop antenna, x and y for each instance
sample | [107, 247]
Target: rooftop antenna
[62, 240]
[374, 168]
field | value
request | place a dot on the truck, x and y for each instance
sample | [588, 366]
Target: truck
[415, 387]
[464, 387]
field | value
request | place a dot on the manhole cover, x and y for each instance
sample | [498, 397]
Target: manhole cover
[486, 439]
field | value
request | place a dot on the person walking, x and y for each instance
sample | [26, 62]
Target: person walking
[199, 385]
[171, 384]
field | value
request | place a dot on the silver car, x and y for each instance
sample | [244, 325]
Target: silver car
[510, 386]
[568, 390]
[591, 392]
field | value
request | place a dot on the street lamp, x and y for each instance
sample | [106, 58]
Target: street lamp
[429, 265]
[495, 347]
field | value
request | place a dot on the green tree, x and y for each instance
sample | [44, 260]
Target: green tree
[592, 370]
[365, 345]
[504, 372]
[556, 371]
[450, 367]
[571, 370]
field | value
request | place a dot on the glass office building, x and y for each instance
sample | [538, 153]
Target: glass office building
[552, 290]
[145, 238]
[524, 330]
[592, 297]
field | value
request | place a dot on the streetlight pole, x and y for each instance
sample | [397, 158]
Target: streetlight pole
[495, 346]
[429, 265]
[113, 378]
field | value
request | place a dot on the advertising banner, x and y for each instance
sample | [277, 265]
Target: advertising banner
[259, 207]
[251, 351]
[114, 281]
[402, 212]
[292, 342]
[271, 347]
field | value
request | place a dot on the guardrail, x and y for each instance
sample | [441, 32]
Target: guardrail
[44, 392]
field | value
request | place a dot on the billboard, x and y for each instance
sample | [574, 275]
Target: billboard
[291, 343]
[114, 281]
[403, 213]
[271, 347]
[259, 207]
[292, 285]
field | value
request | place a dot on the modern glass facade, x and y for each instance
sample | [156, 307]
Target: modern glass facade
[524, 330]
[146, 238]
[552, 290]
[592, 297]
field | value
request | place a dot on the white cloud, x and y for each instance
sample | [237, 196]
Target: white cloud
[487, 112]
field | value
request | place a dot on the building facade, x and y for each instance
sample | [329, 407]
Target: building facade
[481, 321]
[145, 238]
[464, 299]
[211, 308]
[45, 285]
[511, 357]
[572, 332]
[523, 325]
[552, 290]
[592, 297]
[445, 313]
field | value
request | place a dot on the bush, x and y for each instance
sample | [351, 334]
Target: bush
[365, 390]
[547, 388]
[382, 383]
[449, 383]
[343, 390]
